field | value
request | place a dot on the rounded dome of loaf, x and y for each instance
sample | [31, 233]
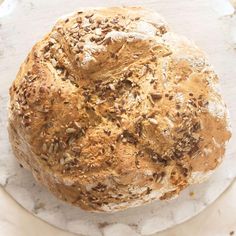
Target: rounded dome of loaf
[111, 110]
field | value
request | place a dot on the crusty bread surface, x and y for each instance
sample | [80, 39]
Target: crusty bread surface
[112, 110]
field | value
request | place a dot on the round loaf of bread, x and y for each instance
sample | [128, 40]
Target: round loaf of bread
[112, 110]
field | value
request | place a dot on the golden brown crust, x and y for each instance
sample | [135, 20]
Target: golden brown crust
[112, 110]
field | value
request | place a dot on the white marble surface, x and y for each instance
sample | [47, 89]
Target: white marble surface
[217, 220]
[214, 31]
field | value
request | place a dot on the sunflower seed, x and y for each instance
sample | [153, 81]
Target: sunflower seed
[44, 157]
[153, 121]
[50, 150]
[70, 130]
[56, 146]
[45, 147]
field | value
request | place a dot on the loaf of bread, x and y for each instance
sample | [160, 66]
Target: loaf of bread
[112, 110]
